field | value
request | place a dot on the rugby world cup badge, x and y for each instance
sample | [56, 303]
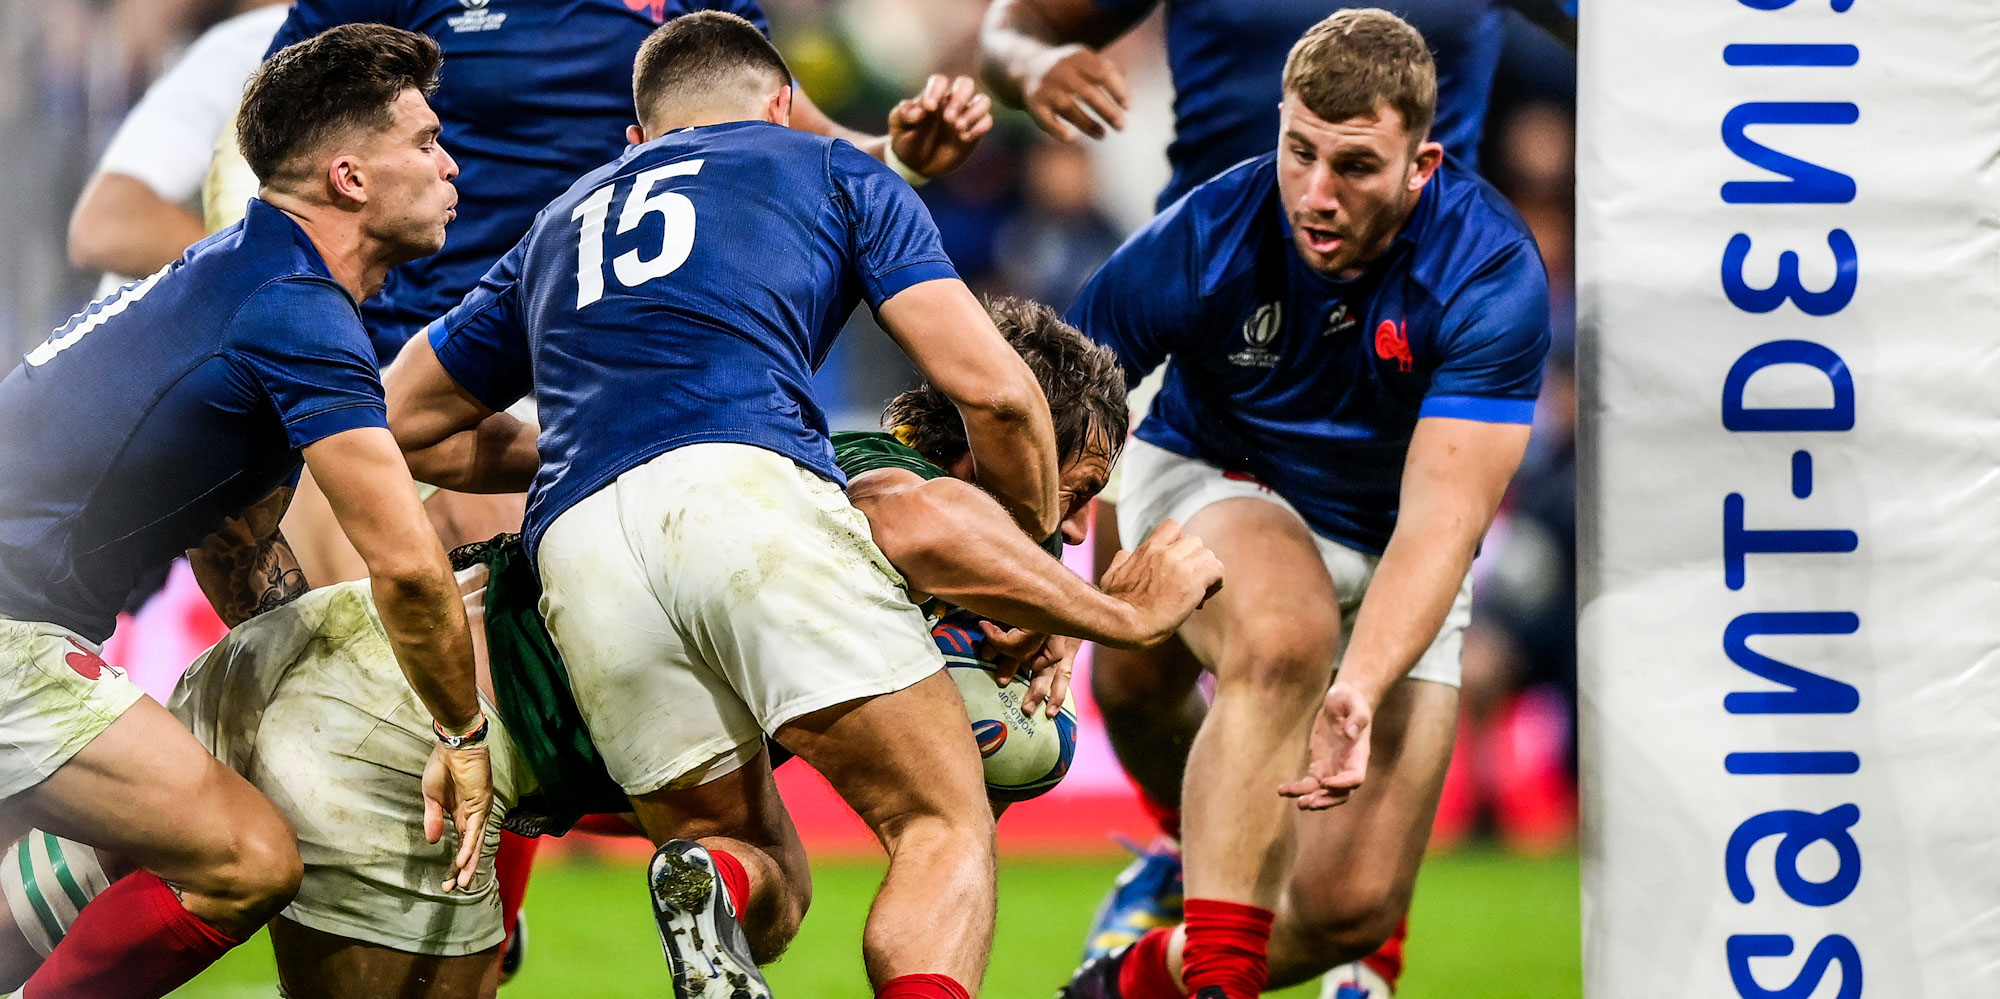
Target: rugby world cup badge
[1260, 334]
[477, 17]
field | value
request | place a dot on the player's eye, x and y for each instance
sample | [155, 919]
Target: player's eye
[1303, 154]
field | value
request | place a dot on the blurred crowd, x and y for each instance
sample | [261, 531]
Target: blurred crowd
[1027, 216]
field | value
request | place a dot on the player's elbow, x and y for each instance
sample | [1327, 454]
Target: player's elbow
[93, 235]
[915, 532]
[409, 575]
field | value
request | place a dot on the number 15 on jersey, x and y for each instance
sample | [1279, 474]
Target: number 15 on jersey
[677, 236]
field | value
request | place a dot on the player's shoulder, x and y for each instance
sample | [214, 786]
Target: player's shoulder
[1466, 233]
[1222, 225]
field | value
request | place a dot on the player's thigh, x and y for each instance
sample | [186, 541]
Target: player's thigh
[341, 749]
[659, 716]
[314, 535]
[1278, 614]
[1358, 862]
[146, 790]
[1276, 619]
[317, 965]
[897, 756]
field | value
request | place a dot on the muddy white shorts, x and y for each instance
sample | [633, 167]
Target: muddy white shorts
[1160, 484]
[56, 695]
[713, 594]
[308, 704]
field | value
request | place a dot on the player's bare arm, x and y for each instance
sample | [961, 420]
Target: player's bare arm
[369, 488]
[952, 541]
[450, 438]
[245, 568]
[1453, 480]
[1045, 56]
[123, 226]
[931, 133]
[948, 336]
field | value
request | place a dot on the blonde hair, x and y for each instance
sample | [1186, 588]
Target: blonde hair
[1359, 59]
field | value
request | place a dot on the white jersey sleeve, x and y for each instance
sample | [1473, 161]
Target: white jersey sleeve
[167, 139]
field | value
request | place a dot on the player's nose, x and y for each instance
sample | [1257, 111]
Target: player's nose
[447, 167]
[1075, 527]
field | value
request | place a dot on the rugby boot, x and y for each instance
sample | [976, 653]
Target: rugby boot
[705, 946]
[1147, 894]
[1097, 978]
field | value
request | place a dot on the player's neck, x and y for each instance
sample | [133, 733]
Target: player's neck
[358, 262]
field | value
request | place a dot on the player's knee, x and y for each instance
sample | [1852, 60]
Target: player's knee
[1284, 671]
[257, 872]
[968, 835]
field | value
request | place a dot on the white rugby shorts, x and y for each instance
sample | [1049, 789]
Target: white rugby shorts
[710, 596]
[56, 695]
[307, 702]
[1159, 484]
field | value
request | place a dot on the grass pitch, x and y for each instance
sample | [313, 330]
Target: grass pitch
[1485, 926]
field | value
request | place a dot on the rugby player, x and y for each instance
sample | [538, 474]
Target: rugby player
[1046, 56]
[706, 580]
[1225, 60]
[538, 93]
[324, 659]
[1357, 328]
[178, 402]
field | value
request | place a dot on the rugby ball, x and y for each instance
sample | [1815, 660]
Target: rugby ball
[1025, 755]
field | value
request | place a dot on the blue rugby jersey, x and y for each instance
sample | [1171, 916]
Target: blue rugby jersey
[166, 407]
[1313, 385]
[534, 93]
[1228, 56]
[685, 293]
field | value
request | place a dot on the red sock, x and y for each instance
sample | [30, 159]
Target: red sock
[1387, 960]
[135, 941]
[1225, 947]
[922, 987]
[734, 878]
[511, 867]
[1144, 974]
[1167, 817]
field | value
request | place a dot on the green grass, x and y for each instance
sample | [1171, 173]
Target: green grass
[1485, 926]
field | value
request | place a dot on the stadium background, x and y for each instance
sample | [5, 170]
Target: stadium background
[1496, 912]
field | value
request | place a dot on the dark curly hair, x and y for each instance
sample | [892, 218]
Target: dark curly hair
[1082, 380]
[343, 78]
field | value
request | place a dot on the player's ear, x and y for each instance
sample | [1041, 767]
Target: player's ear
[634, 135]
[1429, 156]
[780, 108]
[345, 180]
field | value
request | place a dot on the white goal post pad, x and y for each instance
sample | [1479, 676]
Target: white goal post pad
[1789, 286]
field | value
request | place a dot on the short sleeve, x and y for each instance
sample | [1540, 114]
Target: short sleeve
[482, 343]
[892, 241]
[168, 138]
[1495, 337]
[1143, 301]
[304, 343]
[310, 17]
